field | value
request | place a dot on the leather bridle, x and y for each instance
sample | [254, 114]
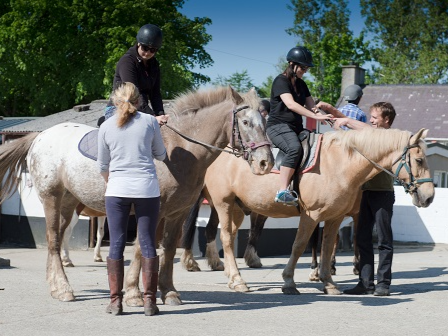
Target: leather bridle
[405, 162]
[245, 149]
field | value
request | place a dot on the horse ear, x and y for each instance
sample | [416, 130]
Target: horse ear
[235, 96]
[419, 135]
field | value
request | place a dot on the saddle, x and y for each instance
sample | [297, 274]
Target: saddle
[311, 145]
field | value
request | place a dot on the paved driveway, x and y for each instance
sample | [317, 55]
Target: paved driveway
[418, 304]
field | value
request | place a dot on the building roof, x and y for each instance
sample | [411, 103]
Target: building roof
[83, 114]
[437, 148]
[10, 122]
[417, 106]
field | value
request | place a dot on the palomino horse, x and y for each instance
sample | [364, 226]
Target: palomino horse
[201, 125]
[81, 209]
[327, 192]
[251, 257]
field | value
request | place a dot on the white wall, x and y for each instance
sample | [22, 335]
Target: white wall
[428, 225]
[409, 223]
[27, 205]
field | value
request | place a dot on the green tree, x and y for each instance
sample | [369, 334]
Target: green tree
[54, 54]
[240, 81]
[410, 40]
[323, 27]
[266, 86]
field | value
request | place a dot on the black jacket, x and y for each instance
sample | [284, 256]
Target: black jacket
[130, 68]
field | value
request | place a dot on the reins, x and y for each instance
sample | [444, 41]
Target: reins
[186, 137]
[247, 148]
[408, 187]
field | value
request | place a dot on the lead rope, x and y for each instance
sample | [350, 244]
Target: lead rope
[408, 187]
[237, 154]
[376, 164]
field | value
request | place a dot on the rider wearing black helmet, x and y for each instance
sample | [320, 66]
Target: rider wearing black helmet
[300, 55]
[140, 67]
[290, 101]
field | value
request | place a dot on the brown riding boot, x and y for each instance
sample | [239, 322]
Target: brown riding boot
[115, 274]
[150, 278]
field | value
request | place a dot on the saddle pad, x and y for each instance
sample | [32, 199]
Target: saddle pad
[88, 146]
[314, 154]
[312, 158]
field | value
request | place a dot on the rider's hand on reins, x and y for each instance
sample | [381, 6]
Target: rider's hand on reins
[162, 119]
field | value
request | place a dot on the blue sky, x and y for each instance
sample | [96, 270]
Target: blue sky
[250, 34]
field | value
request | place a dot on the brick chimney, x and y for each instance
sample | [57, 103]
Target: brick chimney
[352, 74]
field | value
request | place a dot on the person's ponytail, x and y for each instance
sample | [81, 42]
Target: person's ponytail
[125, 98]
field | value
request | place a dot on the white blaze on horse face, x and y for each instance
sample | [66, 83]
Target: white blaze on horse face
[253, 126]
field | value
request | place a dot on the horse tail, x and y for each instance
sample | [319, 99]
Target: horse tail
[189, 227]
[12, 162]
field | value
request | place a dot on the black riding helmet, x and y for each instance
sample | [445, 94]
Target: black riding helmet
[300, 55]
[150, 35]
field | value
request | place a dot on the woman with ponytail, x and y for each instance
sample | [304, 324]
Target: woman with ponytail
[128, 143]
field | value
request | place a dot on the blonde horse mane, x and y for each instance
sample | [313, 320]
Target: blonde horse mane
[372, 142]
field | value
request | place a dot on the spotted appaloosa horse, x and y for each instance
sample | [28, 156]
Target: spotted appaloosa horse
[202, 123]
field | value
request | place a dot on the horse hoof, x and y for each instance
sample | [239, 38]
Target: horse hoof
[290, 291]
[172, 299]
[190, 264]
[98, 260]
[333, 271]
[134, 302]
[314, 275]
[193, 268]
[66, 297]
[355, 271]
[332, 291]
[68, 264]
[241, 288]
[255, 264]
[219, 267]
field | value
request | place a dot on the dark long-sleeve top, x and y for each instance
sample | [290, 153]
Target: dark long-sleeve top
[131, 68]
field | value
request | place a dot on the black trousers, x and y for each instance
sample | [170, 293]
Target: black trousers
[286, 139]
[146, 214]
[376, 209]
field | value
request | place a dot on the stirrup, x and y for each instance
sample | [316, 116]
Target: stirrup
[287, 197]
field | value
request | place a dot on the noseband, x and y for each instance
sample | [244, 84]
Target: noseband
[410, 187]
